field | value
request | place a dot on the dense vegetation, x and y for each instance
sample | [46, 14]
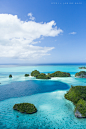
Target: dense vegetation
[81, 107]
[26, 75]
[35, 73]
[43, 76]
[77, 95]
[39, 75]
[25, 108]
[82, 67]
[60, 74]
[10, 76]
[81, 74]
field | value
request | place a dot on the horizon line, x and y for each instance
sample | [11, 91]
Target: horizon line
[42, 63]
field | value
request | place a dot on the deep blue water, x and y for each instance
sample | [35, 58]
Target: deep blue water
[26, 88]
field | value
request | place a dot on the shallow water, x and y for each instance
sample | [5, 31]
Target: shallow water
[54, 112]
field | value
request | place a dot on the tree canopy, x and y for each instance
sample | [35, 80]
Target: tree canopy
[39, 75]
[25, 108]
[77, 94]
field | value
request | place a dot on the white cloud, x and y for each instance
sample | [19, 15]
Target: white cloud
[72, 33]
[17, 37]
[31, 17]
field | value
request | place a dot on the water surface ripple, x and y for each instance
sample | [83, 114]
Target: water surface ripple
[30, 87]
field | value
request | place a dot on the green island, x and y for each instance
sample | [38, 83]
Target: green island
[60, 74]
[26, 75]
[82, 67]
[81, 74]
[27, 108]
[39, 75]
[10, 76]
[77, 94]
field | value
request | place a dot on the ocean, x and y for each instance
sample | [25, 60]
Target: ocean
[54, 111]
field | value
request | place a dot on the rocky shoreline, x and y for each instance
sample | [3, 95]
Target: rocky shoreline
[78, 114]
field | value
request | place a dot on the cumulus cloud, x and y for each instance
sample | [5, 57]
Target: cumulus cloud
[17, 37]
[72, 33]
[31, 17]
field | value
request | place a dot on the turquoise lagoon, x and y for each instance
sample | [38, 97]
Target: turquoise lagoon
[54, 111]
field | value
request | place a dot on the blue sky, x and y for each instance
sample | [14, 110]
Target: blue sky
[42, 31]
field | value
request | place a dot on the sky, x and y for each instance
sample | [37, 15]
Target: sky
[42, 31]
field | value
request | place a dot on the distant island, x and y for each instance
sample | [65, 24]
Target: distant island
[39, 75]
[10, 76]
[27, 108]
[82, 67]
[77, 94]
[26, 75]
[81, 74]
